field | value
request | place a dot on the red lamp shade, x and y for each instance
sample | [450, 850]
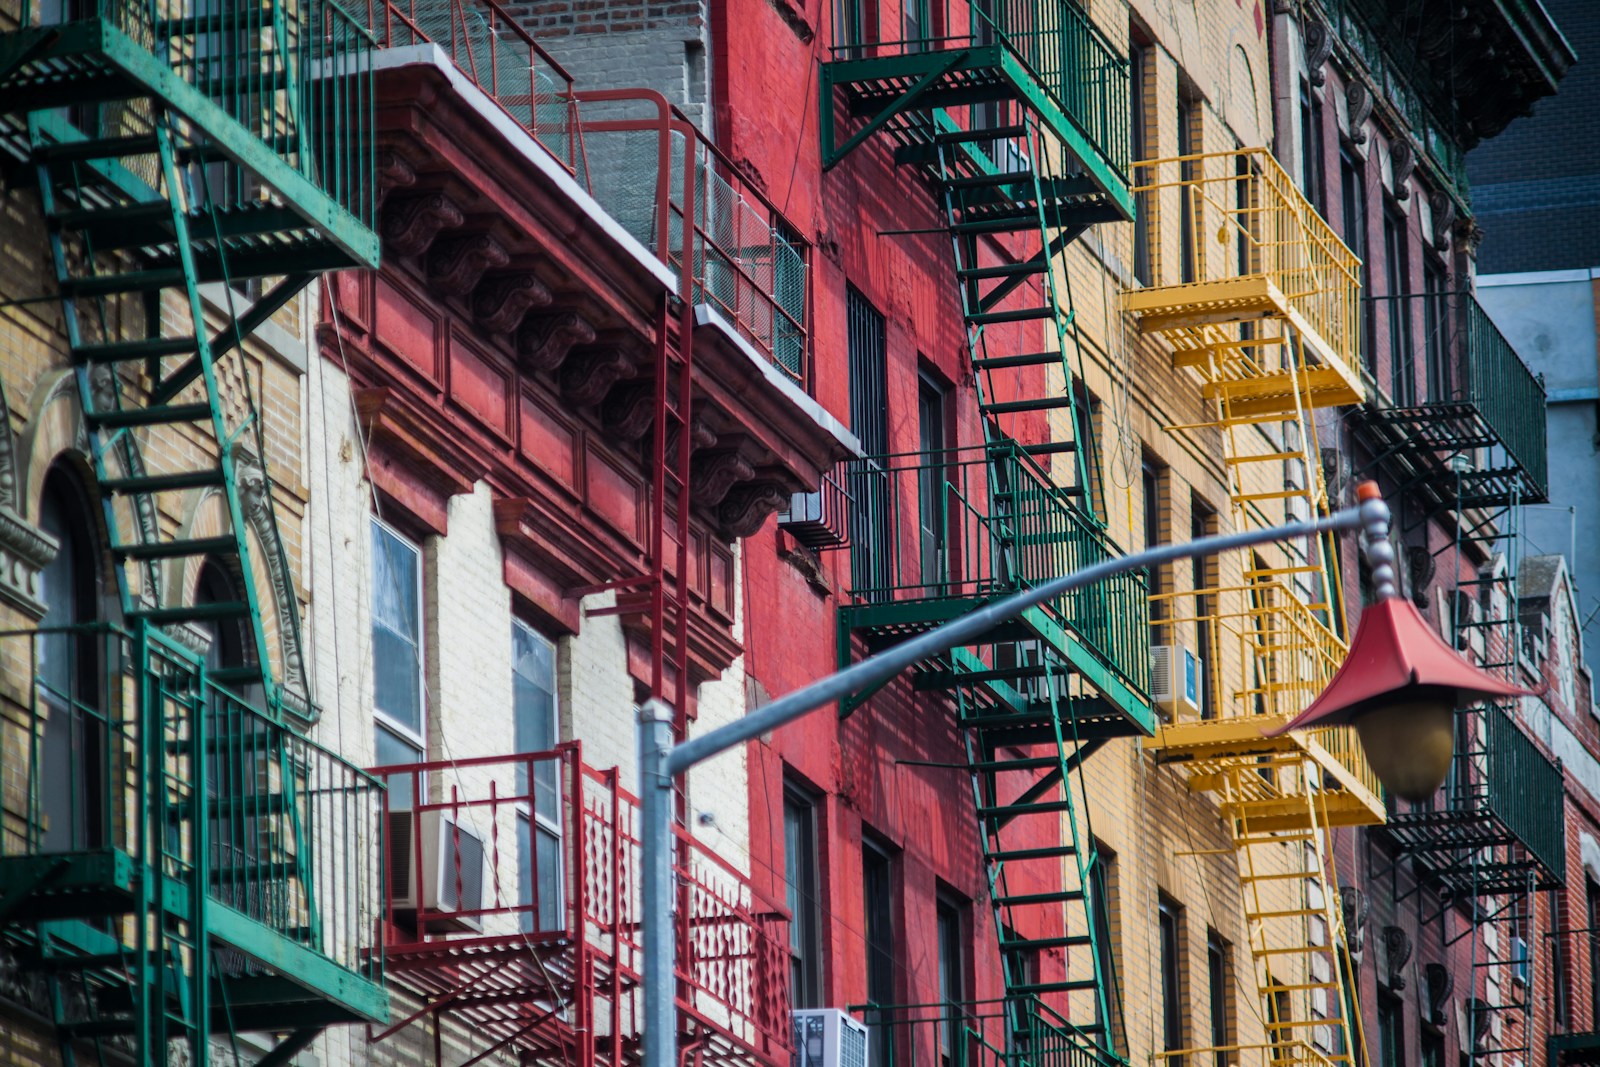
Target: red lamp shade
[1396, 657]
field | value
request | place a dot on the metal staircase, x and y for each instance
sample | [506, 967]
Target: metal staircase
[1266, 327]
[195, 170]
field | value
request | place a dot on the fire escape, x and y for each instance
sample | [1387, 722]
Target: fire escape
[1464, 445]
[1013, 114]
[1263, 316]
[206, 879]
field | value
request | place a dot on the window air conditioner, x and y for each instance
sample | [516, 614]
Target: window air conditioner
[454, 870]
[827, 1037]
[1175, 679]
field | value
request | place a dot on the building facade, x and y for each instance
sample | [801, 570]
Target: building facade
[454, 379]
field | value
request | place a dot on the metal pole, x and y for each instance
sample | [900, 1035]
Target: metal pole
[660, 761]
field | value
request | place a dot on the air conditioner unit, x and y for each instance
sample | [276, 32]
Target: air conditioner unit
[455, 870]
[827, 1037]
[1175, 678]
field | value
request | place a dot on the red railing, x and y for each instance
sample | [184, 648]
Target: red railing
[680, 197]
[531, 935]
[489, 46]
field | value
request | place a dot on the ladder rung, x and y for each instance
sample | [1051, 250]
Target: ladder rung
[96, 148]
[133, 281]
[1043, 852]
[1000, 270]
[199, 546]
[1072, 941]
[1288, 913]
[1265, 457]
[1051, 448]
[231, 609]
[1073, 985]
[1296, 987]
[149, 416]
[1282, 494]
[156, 483]
[1010, 177]
[995, 133]
[148, 348]
[1026, 359]
[1021, 763]
[1042, 807]
[113, 215]
[1059, 897]
[986, 318]
[1043, 403]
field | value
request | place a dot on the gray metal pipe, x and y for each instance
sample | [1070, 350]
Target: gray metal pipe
[660, 761]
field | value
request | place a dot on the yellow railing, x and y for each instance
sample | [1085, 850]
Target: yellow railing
[1245, 219]
[1269, 1054]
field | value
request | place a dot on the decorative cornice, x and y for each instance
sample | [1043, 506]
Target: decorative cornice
[544, 341]
[500, 301]
[25, 550]
[1319, 46]
[1396, 951]
[456, 263]
[426, 451]
[410, 224]
[1402, 161]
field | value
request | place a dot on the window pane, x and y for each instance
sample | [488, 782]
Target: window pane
[396, 632]
[534, 713]
[538, 876]
[393, 749]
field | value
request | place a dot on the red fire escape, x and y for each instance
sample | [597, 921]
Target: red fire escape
[512, 912]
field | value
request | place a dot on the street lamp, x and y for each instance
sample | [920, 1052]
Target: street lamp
[1400, 684]
[1386, 716]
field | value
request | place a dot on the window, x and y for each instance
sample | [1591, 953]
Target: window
[877, 906]
[1311, 154]
[1217, 994]
[869, 420]
[397, 680]
[1432, 1049]
[1188, 116]
[1101, 907]
[1169, 917]
[1397, 276]
[1436, 330]
[1391, 1032]
[1139, 148]
[1279, 1032]
[535, 725]
[1203, 523]
[1593, 923]
[949, 918]
[73, 741]
[850, 31]
[803, 897]
[918, 26]
[932, 501]
[1353, 209]
[1151, 476]
[226, 648]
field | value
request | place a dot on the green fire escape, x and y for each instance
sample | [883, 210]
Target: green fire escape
[1464, 443]
[196, 166]
[1014, 115]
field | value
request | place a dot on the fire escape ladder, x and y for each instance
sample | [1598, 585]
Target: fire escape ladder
[194, 173]
[1037, 850]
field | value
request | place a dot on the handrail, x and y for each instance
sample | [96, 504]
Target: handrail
[690, 204]
[497, 54]
[1248, 219]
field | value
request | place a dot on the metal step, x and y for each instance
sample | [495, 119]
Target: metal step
[148, 348]
[1034, 944]
[1059, 897]
[1025, 359]
[1043, 403]
[1003, 270]
[1052, 448]
[235, 675]
[96, 148]
[118, 215]
[1043, 852]
[986, 318]
[159, 483]
[192, 612]
[132, 282]
[150, 416]
[1021, 763]
[995, 133]
[1042, 807]
[1071, 986]
[1011, 177]
[198, 546]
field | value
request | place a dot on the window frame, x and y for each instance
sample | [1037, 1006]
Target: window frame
[808, 988]
[878, 933]
[951, 967]
[530, 820]
[1218, 966]
[416, 738]
[1169, 926]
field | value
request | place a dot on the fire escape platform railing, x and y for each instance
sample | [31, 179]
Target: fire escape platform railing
[320, 175]
[1504, 793]
[1475, 397]
[971, 545]
[286, 884]
[1262, 273]
[1049, 59]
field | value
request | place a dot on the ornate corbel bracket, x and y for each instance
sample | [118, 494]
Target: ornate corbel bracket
[410, 224]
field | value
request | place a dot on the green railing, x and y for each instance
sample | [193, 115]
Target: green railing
[1445, 350]
[1017, 1031]
[1073, 63]
[1525, 791]
[130, 749]
[298, 77]
[982, 522]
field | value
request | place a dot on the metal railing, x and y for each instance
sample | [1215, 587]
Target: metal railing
[1524, 789]
[1455, 354]
[1573, 972]
[542, 849]
[490, 46]
[280, 828]
[1247, 218]
[1019, 1031]
[1295, 1053]
[981, 522]
[1073, 63]
[685, 201]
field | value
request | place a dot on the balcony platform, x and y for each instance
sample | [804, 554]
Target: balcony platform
[1216, 749]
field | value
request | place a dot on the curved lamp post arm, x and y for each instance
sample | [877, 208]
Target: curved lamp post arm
[660, 761]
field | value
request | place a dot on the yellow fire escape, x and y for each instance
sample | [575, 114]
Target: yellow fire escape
[1265, 317]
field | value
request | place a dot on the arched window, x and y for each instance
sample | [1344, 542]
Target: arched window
[73, 735]
[228, 648]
